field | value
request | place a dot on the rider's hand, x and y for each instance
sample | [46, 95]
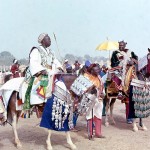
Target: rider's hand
[44, 72]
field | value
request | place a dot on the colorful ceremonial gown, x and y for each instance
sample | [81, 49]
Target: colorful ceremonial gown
[96, 113]
[57, 112]
[119, 61]
[97, 109]
[40, 59]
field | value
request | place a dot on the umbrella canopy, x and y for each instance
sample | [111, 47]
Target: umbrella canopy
[108, 45]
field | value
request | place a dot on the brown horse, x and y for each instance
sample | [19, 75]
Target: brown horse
[112, 93]
[13, 114]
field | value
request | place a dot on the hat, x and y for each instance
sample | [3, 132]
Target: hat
[87, 63]
[122, 41]
[15, 61]
[66, 60]
[104, 66]
[41, 37]
[68, 67]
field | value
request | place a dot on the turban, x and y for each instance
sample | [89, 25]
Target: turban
[15, 61]
[41, 37]
[87, 63]
[66, 60]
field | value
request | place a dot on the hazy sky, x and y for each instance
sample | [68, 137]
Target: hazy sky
[79, 25]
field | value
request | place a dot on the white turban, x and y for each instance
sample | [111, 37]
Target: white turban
[15, 61]
[41, 37]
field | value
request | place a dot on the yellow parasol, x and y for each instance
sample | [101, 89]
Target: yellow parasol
[107, 46]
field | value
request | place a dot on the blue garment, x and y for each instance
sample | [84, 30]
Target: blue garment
[75, 117]
[87, 63]
[68, 66]
[46, 120]
[131, 104]
[102, 73]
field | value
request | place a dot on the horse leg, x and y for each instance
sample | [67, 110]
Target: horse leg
[111, 110]
[106, 112]
[135, 128]
[144, 128]
[69, 141]
[14, 126]
[48, 141]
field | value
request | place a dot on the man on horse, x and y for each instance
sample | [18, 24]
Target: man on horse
[15, 69]
[42, 66]
[121, 61]
[32, 88]
[124, 66]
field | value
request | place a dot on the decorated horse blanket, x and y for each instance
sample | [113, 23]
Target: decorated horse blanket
[10, 86]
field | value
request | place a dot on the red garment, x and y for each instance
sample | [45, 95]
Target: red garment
[98, 124]
[77, 65]
[148, 63]
[15, 70]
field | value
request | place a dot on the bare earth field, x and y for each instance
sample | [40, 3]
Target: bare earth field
[118, 137]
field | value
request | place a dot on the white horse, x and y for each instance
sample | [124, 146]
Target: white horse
[10, 97]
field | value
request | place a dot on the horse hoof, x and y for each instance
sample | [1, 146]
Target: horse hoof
[19, 146]
[135, 129]
[73, 147]
[49, 148]
[144, 128]
[106, 124]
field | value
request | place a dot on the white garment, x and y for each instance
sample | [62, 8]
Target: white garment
[36, 66]
[123, 64]
[97, 110]
[36, 61]
[10, 86]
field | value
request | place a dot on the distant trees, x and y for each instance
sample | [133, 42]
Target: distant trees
[97, 59]
[6, 58]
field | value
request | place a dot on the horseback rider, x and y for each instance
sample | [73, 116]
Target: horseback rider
[15, 69]
[121, 60]
[32, 89]
[42, 64]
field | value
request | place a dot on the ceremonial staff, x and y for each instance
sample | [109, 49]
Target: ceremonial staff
[57, 47]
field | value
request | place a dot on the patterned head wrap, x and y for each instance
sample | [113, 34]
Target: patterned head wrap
[122, 41]
[15, 61]
[41, 37]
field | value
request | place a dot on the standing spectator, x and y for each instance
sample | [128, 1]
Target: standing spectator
[77, 66]
[15, 69]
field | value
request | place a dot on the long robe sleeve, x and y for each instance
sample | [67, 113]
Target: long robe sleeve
[35, 62]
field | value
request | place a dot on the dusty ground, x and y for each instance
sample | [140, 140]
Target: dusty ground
[118, 137]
